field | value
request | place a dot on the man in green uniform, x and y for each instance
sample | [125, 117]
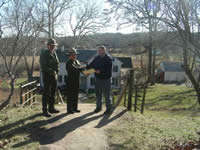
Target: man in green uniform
[49, 67]
[73, 69]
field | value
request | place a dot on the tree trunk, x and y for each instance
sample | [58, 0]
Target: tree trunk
[194, 83]
[28, 70]
[49, 20]
[12, 88]
[153, 68]
[53, 20]
[150, 55]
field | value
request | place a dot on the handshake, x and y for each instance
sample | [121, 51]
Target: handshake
[90, 71]
[85, 71]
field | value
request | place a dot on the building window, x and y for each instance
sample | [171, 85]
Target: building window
[115, 68]
[92, 81]
[60, 78]
[115, 81]
[65, 78]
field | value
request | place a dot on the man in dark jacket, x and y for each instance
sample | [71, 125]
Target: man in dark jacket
[73, 69]
[103, 66]
[49, 68]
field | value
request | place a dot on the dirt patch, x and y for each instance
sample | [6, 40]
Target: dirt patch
[81, 131]
[4, 92]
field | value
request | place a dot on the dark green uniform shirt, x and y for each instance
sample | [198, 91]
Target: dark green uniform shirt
[49, 62]
[73, 70]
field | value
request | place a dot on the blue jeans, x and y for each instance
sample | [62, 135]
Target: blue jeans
[103, 87]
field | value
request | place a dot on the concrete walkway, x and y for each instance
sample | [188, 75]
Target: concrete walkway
[80, 131]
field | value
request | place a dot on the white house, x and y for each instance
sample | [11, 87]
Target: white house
[170, 72]
[86, 56]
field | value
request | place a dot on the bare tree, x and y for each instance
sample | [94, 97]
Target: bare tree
[142, 13]
[181, 16]
[49, 11]
[16, 39]
[31, 55]
[85, 18]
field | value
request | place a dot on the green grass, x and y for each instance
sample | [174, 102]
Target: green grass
[22, 127]
[172, 98]
[171, 115]
[6, 83]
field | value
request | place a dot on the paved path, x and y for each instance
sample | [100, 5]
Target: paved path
[80, 131]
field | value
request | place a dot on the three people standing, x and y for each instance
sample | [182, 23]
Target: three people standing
[50, 66]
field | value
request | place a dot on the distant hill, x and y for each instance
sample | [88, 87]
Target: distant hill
[119, 43]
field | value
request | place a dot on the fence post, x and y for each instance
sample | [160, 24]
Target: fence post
[143, 99]
[125, 99]
[21, 93]
[136, 97]
[130, 90]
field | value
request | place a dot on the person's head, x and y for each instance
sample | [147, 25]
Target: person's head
[51, 44]
[72, 54]
[102, 50]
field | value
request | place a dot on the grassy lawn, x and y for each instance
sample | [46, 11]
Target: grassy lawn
[6, 83]
[171, 116]
[21, 128]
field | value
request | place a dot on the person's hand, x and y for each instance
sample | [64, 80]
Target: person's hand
[87, 74]
[97, 71]
[55, 75]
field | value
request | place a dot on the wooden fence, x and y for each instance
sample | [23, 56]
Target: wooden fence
[128, 84]
[28, 93]
[130, 90]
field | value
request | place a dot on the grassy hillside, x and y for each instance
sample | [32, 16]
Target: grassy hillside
[171, 117]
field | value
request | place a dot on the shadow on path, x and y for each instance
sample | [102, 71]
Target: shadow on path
[106, 119]
[35, 130]
[67, 127]
[38, 131]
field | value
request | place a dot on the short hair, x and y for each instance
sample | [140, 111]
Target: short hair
[102, 47]
[51, 41]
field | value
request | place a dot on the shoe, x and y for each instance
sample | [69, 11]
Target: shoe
[77, 111]
[97, 110]
[46, 114]
[107, 112]
[54, 111]
[70, 112]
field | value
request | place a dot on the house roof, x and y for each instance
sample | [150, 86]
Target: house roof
[83, 55]
[172, 66]
[126, 62]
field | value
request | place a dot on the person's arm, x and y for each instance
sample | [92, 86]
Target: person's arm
[57, 61]
[71, 69]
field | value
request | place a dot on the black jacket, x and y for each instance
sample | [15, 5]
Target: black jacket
[73, 71]
[104, 64]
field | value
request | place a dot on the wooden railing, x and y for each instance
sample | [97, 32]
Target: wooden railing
[128, 84]
[28, 93]
[132, 89]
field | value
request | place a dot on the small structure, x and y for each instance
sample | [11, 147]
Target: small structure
[170, 72]
[85, 56]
